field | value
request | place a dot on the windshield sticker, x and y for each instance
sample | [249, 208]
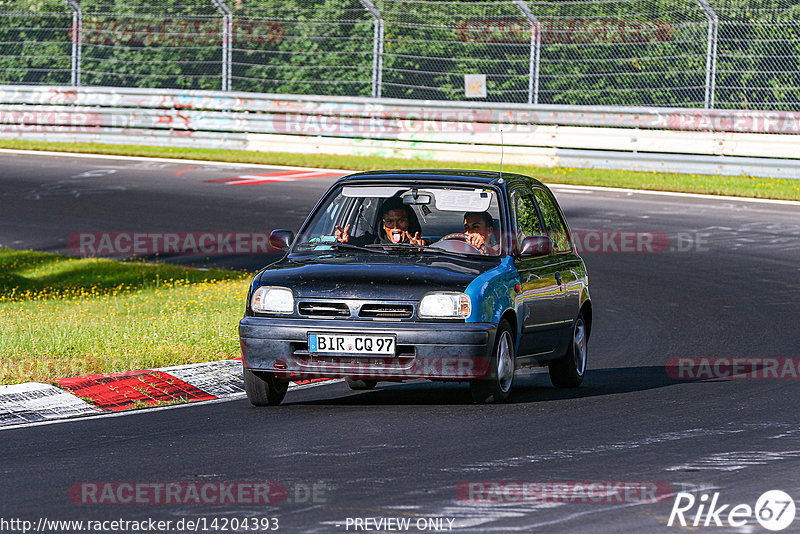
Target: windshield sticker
[463, 200]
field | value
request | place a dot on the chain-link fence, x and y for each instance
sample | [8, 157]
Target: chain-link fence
[291, 46]
[741, 54]
[36, 42]
[758, 54]
[151, 44]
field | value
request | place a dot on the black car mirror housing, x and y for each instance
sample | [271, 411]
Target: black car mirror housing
[281, 239]
[536, 245]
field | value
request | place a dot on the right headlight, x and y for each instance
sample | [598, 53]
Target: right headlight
[269, 299]
[443, 305]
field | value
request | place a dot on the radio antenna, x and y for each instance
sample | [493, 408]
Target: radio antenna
[501, 153]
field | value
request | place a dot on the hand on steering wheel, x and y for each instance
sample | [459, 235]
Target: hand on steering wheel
[457, 236]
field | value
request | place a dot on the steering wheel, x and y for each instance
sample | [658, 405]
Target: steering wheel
[457, 242]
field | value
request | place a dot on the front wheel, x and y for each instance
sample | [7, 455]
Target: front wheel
[264, 389]
[568, 371]
[496, 388]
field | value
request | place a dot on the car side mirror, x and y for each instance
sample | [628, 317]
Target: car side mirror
[536, 245]
[281, 239]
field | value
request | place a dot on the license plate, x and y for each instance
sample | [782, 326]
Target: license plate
[351, 344]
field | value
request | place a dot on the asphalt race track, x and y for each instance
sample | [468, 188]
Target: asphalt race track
[727, 286]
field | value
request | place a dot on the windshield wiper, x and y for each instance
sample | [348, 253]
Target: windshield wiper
[438, 250]
[417, 248]
[340, 245]
[396, 247]
[421, 248]
[401, 246]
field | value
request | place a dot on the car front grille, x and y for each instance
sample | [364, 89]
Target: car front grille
[324, 309]
[388, 311]
[366, 310]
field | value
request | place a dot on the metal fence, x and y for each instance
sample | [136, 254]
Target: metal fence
[725, 54]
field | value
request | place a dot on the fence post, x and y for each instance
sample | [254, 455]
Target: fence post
[227, 30]
[77, 41]
[536, 46]
[377, 48]
[711, 52]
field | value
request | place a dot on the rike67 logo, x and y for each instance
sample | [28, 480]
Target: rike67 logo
[774, 510]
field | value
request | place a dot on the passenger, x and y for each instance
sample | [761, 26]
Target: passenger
[398, 224]
[479, 229]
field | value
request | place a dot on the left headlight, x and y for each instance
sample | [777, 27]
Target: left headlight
[268, 299]
[445, 305]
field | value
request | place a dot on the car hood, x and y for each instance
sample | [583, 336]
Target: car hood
[394, 277]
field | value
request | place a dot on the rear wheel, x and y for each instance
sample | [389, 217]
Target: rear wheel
[496, 388]
[568, 371]
[264, 389]
[359, 385]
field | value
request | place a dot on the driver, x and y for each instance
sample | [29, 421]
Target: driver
[398, 225]
[479, 230]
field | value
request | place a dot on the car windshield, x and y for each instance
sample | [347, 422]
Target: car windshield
[414, 219]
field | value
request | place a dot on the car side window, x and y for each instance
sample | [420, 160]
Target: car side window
[525, 214]
[364, 217]
[334, 215]
[554, 226]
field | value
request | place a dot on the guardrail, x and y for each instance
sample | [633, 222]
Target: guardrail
[755, 143]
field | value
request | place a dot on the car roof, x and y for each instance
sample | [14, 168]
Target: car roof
[441, 175]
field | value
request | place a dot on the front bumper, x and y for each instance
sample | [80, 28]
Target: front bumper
[432, 350]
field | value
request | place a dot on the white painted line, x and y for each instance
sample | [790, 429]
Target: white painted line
[344, 172]
[573, 191]
[673, 194]
[167, 160]
[252, 178]
[32, 402]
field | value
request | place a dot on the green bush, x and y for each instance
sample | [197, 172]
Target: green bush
[35, 42]
[625, 53]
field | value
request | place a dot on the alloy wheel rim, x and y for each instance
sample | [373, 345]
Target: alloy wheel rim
[505, 363]
[579, 346]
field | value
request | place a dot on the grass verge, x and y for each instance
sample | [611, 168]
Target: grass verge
[743, 186]
[63, 316]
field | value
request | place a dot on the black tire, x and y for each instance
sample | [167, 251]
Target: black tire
[359, 385]
[496, 388]
[264, 389]
[568, 372]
